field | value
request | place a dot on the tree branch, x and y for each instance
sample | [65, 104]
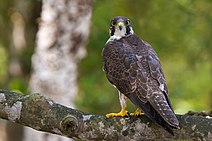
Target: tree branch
[41, 113]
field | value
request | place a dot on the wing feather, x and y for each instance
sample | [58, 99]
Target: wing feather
[151, 112]
[134, 68]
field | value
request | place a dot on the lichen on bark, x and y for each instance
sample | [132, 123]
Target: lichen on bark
[43, 114]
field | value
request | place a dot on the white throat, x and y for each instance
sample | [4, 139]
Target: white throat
[118, 34]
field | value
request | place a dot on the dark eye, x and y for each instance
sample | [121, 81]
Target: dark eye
[127, 22]
[112, 23]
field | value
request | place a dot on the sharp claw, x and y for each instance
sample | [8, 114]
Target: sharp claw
[137, 112]
[128, 114]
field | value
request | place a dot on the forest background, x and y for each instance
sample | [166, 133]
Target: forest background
[180, 31]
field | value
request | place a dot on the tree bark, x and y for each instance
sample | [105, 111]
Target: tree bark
[63, 32]
[43, 114]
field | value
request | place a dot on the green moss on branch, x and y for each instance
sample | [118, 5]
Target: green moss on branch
[41, 113]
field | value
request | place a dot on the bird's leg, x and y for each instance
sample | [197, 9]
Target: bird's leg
[137, 112]
[123, 111]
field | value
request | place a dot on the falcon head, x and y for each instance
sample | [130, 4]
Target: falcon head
[120, 27]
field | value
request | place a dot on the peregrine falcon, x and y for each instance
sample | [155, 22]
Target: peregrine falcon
[132, 66]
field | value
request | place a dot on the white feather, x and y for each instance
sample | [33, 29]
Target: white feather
[118, 34]
[161, 87]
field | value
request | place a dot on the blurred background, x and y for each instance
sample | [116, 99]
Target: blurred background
[180, 31]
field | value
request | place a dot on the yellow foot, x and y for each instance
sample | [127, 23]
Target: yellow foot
[122, 113]
[137, 112]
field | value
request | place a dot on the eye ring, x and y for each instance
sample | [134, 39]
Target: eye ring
[112, 23]
[127, 22]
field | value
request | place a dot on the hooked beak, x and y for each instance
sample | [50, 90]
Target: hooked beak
[120, 25]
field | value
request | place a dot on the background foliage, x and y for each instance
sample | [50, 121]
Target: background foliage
[180, 32]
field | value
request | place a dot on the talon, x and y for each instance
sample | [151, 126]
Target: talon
[137, 112]
[128, 114]
[122, 113]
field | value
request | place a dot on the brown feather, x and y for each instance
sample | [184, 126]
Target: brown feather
[133, 67]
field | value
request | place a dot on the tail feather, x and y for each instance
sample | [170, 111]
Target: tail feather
[150, 112]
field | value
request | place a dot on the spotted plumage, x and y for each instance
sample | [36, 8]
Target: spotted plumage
[132, 66]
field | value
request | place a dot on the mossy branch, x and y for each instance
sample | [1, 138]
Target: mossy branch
[41, 113]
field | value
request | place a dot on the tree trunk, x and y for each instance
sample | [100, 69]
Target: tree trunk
[61, 39]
